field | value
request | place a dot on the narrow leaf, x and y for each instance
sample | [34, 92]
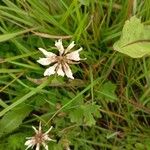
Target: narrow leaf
[8, 36]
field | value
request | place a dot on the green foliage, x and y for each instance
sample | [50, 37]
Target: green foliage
[9, 36]
[55, 146]
[16, 141]
[84, 2]
[107, 92]
[85, 114]
[135, 39]
[13, 119]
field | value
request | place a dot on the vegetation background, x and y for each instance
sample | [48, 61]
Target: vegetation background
[106, 107]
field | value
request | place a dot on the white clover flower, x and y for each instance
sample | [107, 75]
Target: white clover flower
[60, 63]
[38, 139]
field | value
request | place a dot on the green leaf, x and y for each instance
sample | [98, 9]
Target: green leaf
[13, 119]
[76, 115]
[16, 141]
[85, 114]
[91, 111]
[107, 92]
[3, 104]
[84, 2]
[135, 39]
[7, 36]
[25, 97]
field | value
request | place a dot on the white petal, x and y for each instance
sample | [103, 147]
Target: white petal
[50, 70]
[68, 71]
[48, 130]
[29, 138]
[28, 147]
[74, 55]
[47, 54]
[49, 139]
[70, 47]
[36, 131]
[45, 146]
[28, 142]
[45, 61]
[40, 128]
[37, 147]
[60, 71]
[45, 137]
[60, 47]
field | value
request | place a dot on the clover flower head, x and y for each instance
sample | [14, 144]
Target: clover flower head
[38, 139]
[60, 63]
